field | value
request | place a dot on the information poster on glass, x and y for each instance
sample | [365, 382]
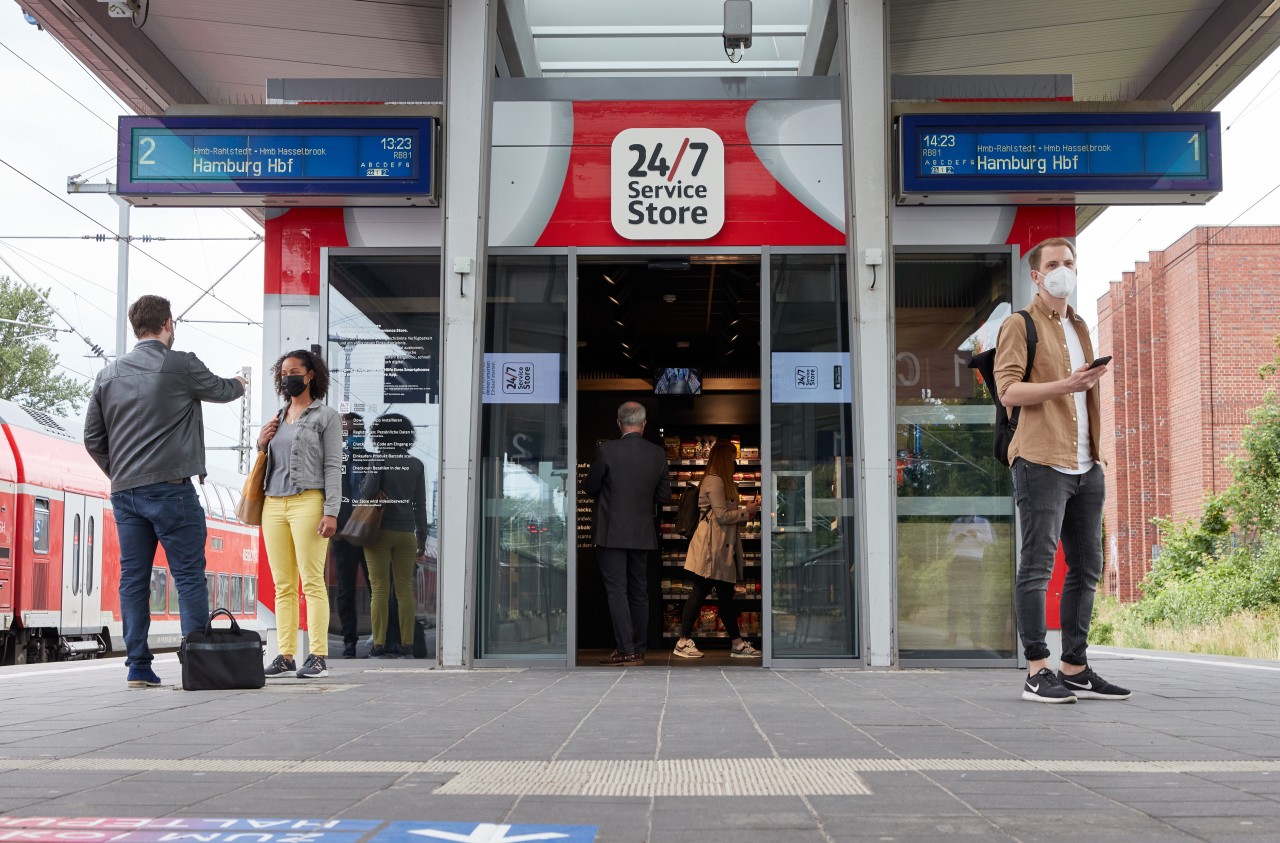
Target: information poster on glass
[810, 377]
[521, 378]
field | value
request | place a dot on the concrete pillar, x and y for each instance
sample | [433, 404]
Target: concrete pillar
[469, 41]
[866, 99]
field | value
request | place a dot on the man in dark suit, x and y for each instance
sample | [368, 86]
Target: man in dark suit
[627, 477]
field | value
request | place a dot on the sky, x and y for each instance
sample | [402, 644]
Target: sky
[59, 121]
[49, 135]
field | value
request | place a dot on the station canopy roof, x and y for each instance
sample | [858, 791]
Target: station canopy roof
[1188, 53]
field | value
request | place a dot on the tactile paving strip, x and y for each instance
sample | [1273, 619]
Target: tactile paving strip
[670, 777]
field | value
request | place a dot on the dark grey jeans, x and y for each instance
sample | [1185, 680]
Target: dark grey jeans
[1053, 506]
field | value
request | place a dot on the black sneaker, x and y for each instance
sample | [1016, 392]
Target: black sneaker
[349, 651]
[280, 667]
[1088, 685]
[313, 668]
[1044, 687]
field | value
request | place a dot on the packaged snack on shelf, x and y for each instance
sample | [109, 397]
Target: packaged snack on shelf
[672, 444]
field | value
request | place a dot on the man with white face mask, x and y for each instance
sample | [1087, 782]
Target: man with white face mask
[1058, 482]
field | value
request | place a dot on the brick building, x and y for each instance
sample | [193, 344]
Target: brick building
[1189, 329]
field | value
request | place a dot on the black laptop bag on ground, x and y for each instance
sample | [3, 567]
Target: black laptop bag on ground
[985, 363]
[222, 659]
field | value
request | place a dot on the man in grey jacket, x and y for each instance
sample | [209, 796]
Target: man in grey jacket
[144, 427]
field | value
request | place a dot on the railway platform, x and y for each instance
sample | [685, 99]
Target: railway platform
[395, 752]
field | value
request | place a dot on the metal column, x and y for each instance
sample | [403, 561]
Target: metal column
[868, 161]
[467, 117]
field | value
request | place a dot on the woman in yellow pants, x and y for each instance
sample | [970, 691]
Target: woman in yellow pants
[303, 492]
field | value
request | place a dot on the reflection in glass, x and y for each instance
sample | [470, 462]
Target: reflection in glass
[814, 596]
[383, 354]
[524, 460]
[955, 514]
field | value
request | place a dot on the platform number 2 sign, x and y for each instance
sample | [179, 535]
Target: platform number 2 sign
[667, 184]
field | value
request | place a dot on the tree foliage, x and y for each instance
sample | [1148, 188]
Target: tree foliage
[27, 362]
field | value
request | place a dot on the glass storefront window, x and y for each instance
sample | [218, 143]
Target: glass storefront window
[383, 355]
[811, 481]
[524, 464]
[955, 514]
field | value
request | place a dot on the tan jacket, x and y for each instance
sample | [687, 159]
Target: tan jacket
[1046, 432]
[715, 551]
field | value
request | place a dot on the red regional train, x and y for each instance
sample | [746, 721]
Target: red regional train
[60, 558]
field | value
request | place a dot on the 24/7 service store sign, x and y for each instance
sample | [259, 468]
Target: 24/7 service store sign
[667, 184]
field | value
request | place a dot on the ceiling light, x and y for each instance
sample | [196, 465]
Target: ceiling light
[682, 343]
[607, 278]
[615, 301]
[624, 345]
[669, 298]
[618, 322]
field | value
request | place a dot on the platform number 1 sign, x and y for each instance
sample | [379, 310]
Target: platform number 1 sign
[667, 184]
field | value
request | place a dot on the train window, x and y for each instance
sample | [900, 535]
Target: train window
[75, 556]
[173, 596]
[88, 557]
[251, 595]
[40, 526]
[211, 586]
[159, 589]
[224, 590]
[237, 594]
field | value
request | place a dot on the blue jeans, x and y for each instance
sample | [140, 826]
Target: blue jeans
[1053, 505]
[168, 514]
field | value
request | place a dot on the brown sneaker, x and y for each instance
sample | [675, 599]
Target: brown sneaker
[614, 659]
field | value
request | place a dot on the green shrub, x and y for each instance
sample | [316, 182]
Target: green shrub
[1245, 578]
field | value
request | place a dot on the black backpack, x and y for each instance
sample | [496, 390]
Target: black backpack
[687, 514]
[985, 363]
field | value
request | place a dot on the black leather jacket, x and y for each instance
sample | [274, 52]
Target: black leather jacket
[144, 423]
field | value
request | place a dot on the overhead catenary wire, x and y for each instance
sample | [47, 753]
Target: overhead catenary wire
[95, 114]
[132, 245]
[94, 347]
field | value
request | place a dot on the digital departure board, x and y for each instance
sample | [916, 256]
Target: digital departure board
[1082, 159]
[234, 161]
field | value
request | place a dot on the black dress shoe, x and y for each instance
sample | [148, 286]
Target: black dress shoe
[615, 659]
[634, 659]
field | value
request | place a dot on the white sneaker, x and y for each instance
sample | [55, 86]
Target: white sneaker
[746, 651]
[686, 649]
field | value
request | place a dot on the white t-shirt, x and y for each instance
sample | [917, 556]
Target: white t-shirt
[1084, 453]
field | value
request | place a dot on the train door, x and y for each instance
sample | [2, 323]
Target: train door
[81, 564]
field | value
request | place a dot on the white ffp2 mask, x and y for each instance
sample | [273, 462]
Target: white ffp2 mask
[1061, 282]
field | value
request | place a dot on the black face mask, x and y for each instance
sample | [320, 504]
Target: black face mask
[294, 385]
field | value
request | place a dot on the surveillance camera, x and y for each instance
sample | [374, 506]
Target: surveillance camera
[737, 24]
[121, 8]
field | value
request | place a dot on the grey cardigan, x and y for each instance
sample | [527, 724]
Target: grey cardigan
[315, 460]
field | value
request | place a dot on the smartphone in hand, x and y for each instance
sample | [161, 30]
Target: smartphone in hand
[1101, 361]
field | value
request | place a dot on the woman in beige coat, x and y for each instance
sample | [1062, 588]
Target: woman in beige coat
[714, 559]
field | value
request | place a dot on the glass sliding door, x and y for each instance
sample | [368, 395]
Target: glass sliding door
[810, 481]
[383, 354]
[955, 513]
[524, 461]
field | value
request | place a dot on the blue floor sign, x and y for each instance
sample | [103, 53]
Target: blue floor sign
[243, 830]
[429, 832]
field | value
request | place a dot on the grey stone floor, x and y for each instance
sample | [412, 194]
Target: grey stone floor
[654, 754]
